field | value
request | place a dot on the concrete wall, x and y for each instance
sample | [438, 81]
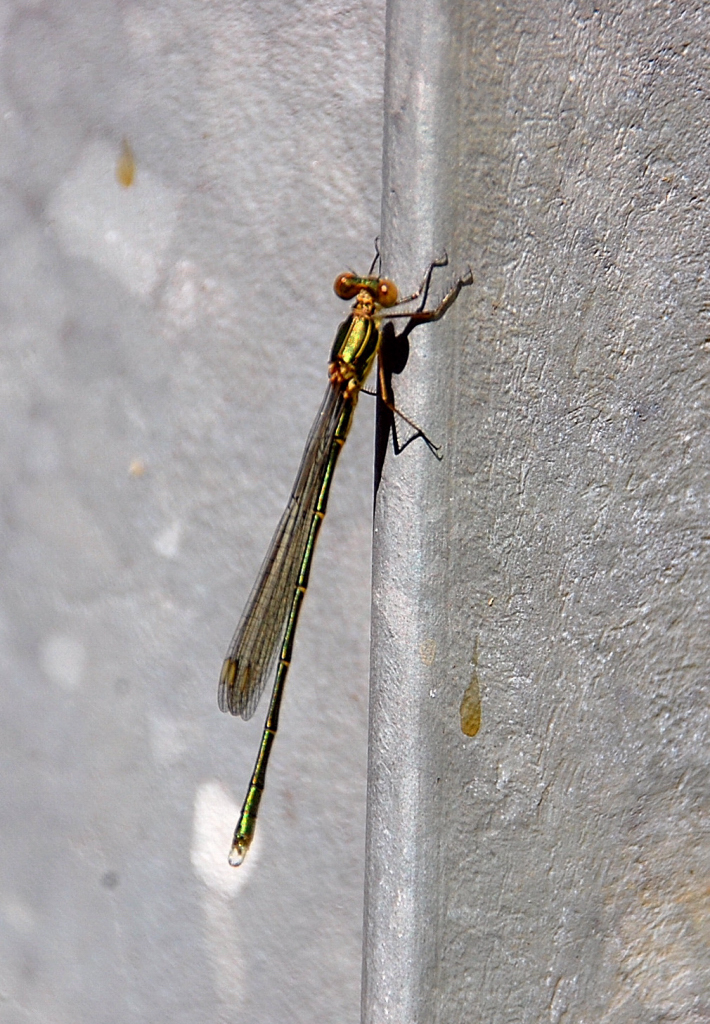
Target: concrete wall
[163, 351]
[554, 867]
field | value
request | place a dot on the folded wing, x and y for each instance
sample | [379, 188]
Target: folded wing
[256, 643]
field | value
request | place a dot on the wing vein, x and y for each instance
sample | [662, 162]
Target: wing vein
[260, 633]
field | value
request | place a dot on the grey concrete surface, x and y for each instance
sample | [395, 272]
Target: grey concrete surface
[163, 352]
[554, 867]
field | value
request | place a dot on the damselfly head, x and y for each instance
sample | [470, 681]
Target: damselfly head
[383, 291]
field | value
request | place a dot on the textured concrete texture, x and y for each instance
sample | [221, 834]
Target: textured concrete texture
[163, 351]
[554, 867]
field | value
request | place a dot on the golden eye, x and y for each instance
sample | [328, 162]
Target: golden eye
[345, 286]
[386, 292]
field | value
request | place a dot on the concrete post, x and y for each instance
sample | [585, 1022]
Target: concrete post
[552, 867]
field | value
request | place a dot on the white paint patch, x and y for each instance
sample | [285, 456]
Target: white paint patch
[126, 231]
[63, 659]
[214, 819]
[167, 543]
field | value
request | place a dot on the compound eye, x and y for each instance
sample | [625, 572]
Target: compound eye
[386, 292]
[345, 286]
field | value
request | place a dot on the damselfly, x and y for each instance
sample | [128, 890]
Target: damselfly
[263, 640]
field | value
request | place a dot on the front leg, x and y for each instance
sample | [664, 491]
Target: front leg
[423, 288]
[425, 316]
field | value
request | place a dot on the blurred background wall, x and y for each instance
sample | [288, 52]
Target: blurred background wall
[163, 352]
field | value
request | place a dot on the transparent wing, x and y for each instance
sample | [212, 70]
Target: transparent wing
[258, 638]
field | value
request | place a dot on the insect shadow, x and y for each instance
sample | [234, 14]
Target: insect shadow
[393, 354]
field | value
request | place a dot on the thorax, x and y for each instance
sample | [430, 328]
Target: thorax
[354, 350]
